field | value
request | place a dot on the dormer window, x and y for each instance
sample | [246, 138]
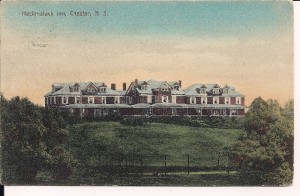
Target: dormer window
[202, 90]
[143, 87]
[91, 89]
[164, 88]
[102, 89]
[225, 90]
[76, 88]
[216, 90]
[176, 87]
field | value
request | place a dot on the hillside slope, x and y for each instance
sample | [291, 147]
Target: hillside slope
[96, 142]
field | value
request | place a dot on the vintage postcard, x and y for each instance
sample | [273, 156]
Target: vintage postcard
[147, 93]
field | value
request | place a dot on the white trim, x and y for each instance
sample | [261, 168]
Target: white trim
[193, 100]
[202, 90]
[215, 100]
[91, 100]
[216, 90]
[163, 100]
[103, 100]
[238, 100]
[117, 99]
[102, 89]
[227, 90]
[62, 100]
[204, 99]
[227, 100]
[174, 98]
[149, 98]
[144, 87]
[164, 87]
[77, 98]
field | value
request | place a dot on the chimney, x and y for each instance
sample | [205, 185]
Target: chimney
[179, 82]
[124, 86]
[136, 81]
[113, 87]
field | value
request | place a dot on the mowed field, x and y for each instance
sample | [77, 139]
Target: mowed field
[155, 144]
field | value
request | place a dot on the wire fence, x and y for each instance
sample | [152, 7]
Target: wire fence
[156, 164]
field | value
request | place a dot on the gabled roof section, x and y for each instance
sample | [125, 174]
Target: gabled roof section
[173, 83]
[65, 88]
[216, 86]
[192, 90]
[226, 86]
[154, 84]
[91, 84]
[130, 87]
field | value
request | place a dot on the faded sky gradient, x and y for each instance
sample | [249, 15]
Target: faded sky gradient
[245, 44]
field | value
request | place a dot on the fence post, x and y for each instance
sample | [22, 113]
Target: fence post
[219, 159]
[165, 165]
[188, 158]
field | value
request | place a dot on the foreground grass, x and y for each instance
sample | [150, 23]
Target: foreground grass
[156, 145]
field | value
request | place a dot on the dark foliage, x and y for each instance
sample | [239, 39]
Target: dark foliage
[264, 155]
[32, 141]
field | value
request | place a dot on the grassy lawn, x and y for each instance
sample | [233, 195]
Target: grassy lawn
[96, 145]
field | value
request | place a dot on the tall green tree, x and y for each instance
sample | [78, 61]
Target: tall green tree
[33, 140]
[264, 155]
[23, 149]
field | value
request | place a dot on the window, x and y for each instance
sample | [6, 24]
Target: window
[164, 99]
[216, 100]
[76, 88]
[103, 100]
[164, 88]
[193, 100]
[227, 100]
[64, 100]
[176, 87]
[90, 100]
[225, 90]
[174, 112]
[102, 89]
[144, 87]
[233, 112]
[238, 100]
[202, 90]
[216, 90]
[173, 99]
[117, 100]
[78, 100]
[91, 89]
[149, 99]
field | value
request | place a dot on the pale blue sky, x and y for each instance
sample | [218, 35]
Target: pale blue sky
[200, 19]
